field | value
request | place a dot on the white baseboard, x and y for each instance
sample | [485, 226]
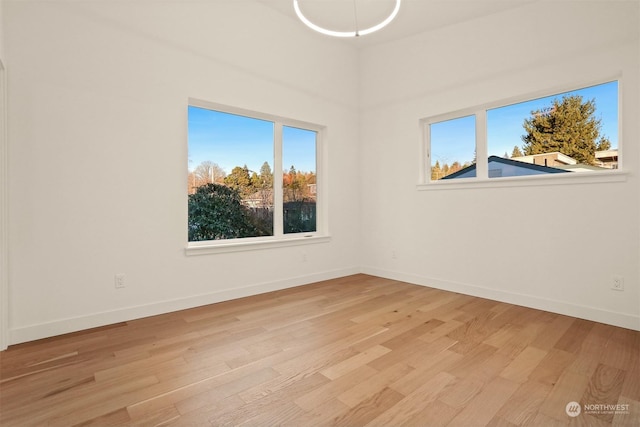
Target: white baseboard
[623, 320]
[63, 326]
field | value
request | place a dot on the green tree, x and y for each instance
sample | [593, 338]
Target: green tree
[264, 186]
[240, 180]
[255, 181]
[568, 126]
[216, 212]
[516, 152]
[266, 176]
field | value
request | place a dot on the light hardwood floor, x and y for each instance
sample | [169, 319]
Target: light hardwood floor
[354, 351]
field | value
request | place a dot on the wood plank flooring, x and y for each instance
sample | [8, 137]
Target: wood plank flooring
[355, 351]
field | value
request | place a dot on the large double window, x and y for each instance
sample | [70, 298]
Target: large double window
[561, 135]
[252, 177]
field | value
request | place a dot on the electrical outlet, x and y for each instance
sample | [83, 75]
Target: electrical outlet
[394, 255]
[617, 284]
[304, 256]
[119, 281]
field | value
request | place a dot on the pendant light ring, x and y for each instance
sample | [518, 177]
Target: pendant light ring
[355, 33]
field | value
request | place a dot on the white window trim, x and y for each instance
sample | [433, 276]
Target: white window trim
[527, 181]
[482, 179]
[279, 239]
[253, 244]
[4, 213]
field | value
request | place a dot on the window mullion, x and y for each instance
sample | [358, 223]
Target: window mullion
[482, 166]
[424, 167]
[278, 220]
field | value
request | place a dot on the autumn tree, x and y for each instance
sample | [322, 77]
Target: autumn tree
[299, 203]
[569, 126]
[455, 167]
[291, 185]
[209, 172]
[205, 173]
[192, 183]
[296, 184]
[436, 171]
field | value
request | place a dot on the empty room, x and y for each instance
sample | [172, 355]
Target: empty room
[320, 212]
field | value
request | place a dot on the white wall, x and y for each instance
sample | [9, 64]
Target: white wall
[4, 197]
[2, 30]
[98, 93]
[98, 96]
[535, 246]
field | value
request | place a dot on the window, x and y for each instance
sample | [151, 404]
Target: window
[453, 148]
[252, 176]
[299, 180]
[560, 135]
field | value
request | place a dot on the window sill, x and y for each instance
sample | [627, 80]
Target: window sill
[527, 181]
[228, 246]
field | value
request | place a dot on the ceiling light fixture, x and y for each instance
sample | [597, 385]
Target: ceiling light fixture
[357, 32]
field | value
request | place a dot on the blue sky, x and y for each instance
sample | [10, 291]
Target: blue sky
[299, 149]
[455, 139]
[231, 140]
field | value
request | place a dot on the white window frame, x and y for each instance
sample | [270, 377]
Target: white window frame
[482, 180]
[279, 238]
[4, 213]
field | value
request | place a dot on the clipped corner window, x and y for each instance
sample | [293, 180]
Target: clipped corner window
[252, 177]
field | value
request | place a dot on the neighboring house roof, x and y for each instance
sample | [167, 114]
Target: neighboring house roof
[613, 153]
[510, 162]
[556, 155]
[580, 167]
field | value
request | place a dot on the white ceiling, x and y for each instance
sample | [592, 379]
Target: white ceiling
[415, 16]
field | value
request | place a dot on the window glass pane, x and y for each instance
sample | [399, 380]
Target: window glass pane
[453, 148]
[230, 175]
[299, 179]
[569, 132]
